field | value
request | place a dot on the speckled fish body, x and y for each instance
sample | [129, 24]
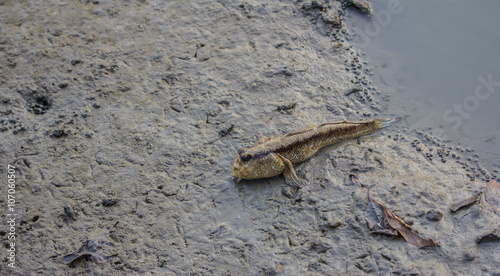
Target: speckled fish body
[272, 156]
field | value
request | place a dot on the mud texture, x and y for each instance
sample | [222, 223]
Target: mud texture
[132, 111]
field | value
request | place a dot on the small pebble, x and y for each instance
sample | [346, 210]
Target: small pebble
[69, 214]
[468, 256]
[58, 133]
[109, 202]
[434, 215]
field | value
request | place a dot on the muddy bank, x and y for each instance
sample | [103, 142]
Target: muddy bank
[113, 111]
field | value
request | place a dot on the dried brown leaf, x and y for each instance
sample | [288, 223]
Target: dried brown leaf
[489, 237]
[405, 230]
[492, 195]
[88, 249]
[93, 249]
[376, 221]
[388, 223]
[465, 202]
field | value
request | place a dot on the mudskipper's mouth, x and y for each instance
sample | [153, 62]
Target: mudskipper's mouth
[237, 168]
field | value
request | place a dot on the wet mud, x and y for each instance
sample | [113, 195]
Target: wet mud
[133, 111]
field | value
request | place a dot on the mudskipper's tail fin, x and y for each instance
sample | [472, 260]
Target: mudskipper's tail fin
[390, 121]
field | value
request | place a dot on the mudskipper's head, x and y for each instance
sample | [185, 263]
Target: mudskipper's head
[249, 166]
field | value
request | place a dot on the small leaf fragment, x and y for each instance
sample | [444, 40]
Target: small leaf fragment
[390, 224]
[492, 195]
[405, 230]
[465, 202]
[489, 237]
[88, 249]
[376, 221]
[92, 248]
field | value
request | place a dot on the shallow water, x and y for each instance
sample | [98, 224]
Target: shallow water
[434, 58]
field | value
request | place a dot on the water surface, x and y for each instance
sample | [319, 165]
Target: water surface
[439, 62]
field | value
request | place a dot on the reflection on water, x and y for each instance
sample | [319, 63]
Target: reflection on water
[439, 60]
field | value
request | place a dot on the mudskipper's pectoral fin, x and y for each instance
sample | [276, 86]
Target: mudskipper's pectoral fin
[291, 177]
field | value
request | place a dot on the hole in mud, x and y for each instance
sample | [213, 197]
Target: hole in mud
[39, 104]
[42, 101]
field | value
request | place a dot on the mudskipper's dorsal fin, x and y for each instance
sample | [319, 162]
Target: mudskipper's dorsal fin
[262, 139]
[300, 131]
[332, 123]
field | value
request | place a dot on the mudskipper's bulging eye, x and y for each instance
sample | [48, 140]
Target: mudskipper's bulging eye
[245, 157]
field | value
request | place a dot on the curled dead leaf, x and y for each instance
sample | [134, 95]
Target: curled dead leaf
[93, 249]
[388, 224]
[465, 202]
[376, 219]
[88, 250]
[492, 195]
[489, 237]
[405, 230]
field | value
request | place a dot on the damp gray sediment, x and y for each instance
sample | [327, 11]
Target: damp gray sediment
[179, 88]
